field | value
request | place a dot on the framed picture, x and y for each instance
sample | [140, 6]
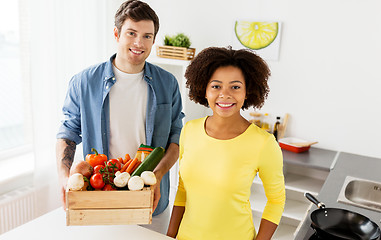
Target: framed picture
[262, 37]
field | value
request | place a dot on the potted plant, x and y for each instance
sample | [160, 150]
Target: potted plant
[176, 47]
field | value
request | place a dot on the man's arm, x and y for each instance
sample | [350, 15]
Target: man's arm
[169, 159]
[65, 150]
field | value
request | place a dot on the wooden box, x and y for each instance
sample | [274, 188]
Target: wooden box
[175, 52]
[109, 207]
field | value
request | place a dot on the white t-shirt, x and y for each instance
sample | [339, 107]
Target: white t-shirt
[128, 104]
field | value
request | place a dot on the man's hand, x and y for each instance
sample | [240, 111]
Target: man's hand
[156, 194]
[63, 181]
[170, 157]
[65, 150]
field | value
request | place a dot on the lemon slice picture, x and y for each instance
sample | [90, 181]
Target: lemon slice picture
[256, 35]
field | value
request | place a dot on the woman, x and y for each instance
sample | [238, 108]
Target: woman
[221, 154]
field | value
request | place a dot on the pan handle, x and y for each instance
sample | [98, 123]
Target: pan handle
[310, 197]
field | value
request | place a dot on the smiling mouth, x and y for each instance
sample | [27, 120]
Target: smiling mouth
[225, 105]
[138, 52]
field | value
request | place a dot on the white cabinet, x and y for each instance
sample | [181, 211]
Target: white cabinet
[298, 180]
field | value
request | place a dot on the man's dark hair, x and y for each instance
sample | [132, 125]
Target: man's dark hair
[136, 11]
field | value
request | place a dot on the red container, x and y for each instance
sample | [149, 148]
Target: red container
[286, 144]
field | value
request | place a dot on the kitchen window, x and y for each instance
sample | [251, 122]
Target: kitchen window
[15, 111]
[15, 134]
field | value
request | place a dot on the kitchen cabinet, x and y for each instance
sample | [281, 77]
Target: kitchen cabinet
[346, 165]
[303, 172]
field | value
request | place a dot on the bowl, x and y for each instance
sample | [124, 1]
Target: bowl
[287, 144]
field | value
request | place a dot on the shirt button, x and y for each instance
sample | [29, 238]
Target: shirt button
[107, 87]
[113, 78]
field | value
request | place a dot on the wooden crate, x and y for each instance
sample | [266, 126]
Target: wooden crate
[109, 207]
[175, 52]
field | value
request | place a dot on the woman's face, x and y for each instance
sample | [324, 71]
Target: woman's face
[226, 91]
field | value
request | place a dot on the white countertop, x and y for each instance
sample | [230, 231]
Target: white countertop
[53, 226]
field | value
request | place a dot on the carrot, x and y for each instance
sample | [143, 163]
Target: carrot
[120, 160]
[132, 164]
[126, 158]
[126, 165]
[136, 166]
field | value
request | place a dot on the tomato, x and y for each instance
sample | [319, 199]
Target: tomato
[97, 168]
[96, 181]
[113, 165]
[120, 160]
[96, 159]
[108, 187]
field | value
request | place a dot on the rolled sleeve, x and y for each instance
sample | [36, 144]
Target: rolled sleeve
[71, 125]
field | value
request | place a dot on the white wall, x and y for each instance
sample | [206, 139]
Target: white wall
[327, 77]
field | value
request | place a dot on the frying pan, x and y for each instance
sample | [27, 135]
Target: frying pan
[339, 223]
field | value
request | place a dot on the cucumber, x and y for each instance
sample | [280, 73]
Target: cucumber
[150, 162]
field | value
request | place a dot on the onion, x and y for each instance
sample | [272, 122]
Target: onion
[83, 168]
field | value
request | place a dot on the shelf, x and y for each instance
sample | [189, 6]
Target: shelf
[294, 210]
[299, 183]
[303, 184]
[168, 61]
[283, 232]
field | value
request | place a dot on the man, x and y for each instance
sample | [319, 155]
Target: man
[119, 104]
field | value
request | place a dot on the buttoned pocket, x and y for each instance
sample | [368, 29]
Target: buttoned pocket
[163, 120]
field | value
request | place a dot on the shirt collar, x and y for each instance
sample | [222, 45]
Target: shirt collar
[109, 73]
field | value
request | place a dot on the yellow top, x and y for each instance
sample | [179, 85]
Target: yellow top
[215, 177]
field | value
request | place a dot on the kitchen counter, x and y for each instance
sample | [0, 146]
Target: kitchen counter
[346, 165]
[53, 226]
[316, 158]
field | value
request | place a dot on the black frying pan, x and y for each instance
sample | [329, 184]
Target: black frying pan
[336, 223]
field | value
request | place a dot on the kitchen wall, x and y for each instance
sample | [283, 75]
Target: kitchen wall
[327, 76]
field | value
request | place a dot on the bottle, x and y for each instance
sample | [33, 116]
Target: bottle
[256, 118]
[276, 128]
[265, 123]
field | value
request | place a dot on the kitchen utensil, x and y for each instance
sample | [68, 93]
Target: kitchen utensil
[283, 126]
[287, 144]
[303, 144]
[341, 224]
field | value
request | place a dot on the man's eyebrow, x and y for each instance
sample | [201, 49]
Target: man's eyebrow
[134, 30]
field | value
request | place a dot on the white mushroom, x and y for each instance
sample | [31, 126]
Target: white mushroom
[121, 179]
[75, 182]
[135, 183]
[148, 177]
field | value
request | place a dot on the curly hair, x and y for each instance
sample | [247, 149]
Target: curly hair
[136, 11]
[255, 71]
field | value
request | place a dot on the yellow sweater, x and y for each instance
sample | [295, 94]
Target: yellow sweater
[215, 177]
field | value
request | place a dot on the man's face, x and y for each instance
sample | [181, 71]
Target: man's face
[135, 41]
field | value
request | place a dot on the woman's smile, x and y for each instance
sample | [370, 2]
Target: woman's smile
[226, 91]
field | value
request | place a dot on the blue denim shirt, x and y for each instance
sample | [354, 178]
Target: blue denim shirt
[86, 111]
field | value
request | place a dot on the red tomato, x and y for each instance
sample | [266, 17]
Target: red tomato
[120, 160]
[97, 168]
[113, 165]
[108, 187]
[96, 181]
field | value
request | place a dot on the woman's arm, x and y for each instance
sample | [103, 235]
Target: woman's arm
[266, 230]
[174, 223]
